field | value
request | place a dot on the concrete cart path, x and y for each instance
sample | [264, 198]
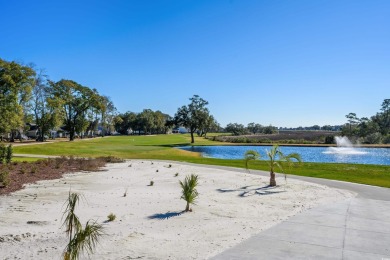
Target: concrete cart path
[354, 229]
[358, 228]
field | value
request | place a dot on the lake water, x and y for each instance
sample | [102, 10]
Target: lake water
[308, 154]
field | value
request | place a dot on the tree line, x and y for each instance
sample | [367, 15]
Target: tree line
[373, 130]
[28, 95]
[195, 117]
[146, 122]
[251, 128]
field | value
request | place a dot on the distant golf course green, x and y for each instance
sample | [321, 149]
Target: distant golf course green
[162, 147]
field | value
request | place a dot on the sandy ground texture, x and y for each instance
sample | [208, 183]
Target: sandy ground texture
[149, 220]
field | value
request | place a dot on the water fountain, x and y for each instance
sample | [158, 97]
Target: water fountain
[344, 146]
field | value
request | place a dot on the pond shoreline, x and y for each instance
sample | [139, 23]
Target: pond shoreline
[294, 145]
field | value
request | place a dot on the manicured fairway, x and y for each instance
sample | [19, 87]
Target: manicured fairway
[152, 147]
[162, 147]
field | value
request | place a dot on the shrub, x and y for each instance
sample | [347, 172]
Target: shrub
[38, 162]
[265, 140]
[281, 137]
[151, 183]
[374, 138]
[386, 139]
[239, 140]
[4, 178]
[58, 164]
[8, 154]
[329, 139]
[3, 152]
[33, 169]
[111, 217]
[177, 174]
[90, 164]
[113, 159]
[22, 170]
[46, 162]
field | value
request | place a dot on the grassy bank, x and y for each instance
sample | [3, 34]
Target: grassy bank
[162, 147]
[25, 159]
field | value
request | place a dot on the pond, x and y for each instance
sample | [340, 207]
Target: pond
[309, 154]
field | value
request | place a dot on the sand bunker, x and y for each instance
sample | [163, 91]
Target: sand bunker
[149, 220]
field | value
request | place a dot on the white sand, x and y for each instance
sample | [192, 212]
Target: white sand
[149, 223]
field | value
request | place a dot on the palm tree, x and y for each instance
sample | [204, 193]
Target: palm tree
[250, 155]
[189, 193]
[274, 154]
[80, 238]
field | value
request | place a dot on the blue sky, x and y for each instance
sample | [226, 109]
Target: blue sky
[285, 63]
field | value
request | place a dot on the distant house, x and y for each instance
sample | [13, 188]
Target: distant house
[135, 132]
[33, 131]
[179, 130]
[61, 132]
[53, 134]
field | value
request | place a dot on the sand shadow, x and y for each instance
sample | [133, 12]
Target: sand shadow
[166, 215]
[247, 191]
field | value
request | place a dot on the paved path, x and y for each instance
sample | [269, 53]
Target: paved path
[358, 228]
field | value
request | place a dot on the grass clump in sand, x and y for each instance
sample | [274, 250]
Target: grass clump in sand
[111, 217]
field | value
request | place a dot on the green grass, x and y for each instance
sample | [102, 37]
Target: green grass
[161, 147]
[378, 175]
[145, 147]
[25, 159]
